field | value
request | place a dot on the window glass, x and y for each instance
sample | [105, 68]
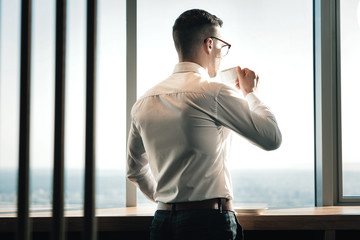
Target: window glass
[9, 102]
[111, 99]
[274, 38]
[350, 83]
[75, 96]
[42, 104]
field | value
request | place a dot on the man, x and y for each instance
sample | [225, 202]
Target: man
[178, 141]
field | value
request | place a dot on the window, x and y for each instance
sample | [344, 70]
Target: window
[282, 54]
[111, 95]
[111, 104]
[75, 95]
[9, 101]
[42, 104]
[350, 83]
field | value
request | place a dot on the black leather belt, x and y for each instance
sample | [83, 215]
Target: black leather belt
[215, 203]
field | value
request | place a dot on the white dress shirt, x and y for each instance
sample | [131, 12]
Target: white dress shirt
[178, 142]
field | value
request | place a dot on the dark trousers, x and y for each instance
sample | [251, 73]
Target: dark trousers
[208, 224]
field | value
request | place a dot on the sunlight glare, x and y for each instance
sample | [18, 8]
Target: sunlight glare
[358, 13]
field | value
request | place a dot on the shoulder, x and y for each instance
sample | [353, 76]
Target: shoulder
[218, 89]
[211, 87]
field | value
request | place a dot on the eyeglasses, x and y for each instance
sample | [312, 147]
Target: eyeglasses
[225, 48]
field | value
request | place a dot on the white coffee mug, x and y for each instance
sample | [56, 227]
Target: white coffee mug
[228, 75]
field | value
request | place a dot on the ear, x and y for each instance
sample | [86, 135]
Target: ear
[209, 45]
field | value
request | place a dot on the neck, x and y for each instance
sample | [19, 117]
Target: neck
[201, 61]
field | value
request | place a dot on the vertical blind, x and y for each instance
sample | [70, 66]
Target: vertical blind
[24, 128]
[58, 181]
[89, 201]
[23, 223]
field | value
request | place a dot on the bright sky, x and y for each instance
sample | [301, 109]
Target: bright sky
[274, 38]
[350, 78]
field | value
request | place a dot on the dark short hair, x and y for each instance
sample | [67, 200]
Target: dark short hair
[191, 28]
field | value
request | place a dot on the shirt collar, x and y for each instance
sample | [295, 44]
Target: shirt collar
[184, 67]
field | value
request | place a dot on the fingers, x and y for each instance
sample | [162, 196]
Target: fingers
[237, 84]
[245, 72]
[249, 73]
[240, 72]
[247, 80]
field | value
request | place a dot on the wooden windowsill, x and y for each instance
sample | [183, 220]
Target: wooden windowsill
[139, 219]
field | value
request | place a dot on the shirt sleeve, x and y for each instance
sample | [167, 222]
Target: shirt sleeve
[250, 118]
[138, 169]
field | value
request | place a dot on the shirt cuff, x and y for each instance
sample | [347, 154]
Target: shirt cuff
[253, 100]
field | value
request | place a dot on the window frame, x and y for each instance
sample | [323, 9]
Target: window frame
[342, 200]
[327, 97]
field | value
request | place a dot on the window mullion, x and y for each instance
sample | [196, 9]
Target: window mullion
[131, 81]
[326, 124]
